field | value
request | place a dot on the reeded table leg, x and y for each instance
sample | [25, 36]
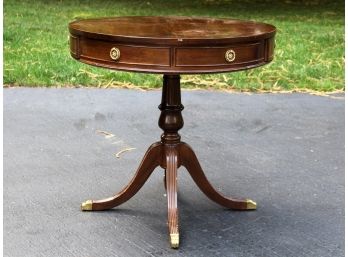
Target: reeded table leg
[150, 161]
[171, 186]
[190, 162]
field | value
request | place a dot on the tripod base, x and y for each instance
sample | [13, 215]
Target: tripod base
[169, 157]
[170, 153]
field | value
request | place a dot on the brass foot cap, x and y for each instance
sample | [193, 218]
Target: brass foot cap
[251, 205]
[87, 205]
[174, 240]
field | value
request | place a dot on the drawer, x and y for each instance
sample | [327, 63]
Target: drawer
[219, 56]
[119, 54]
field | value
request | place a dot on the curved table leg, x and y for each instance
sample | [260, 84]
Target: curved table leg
[190, 162]
[171, 186]
[151, 160]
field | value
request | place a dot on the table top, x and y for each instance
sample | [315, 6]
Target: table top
[171, 30]
[172, 45]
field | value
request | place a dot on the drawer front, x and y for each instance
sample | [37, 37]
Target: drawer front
[172, 59]
[119, 55]
[219, 56]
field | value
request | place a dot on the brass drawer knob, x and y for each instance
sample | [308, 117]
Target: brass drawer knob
[230, 55]
[115, 53]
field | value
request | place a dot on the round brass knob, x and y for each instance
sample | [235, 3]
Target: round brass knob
[115, 53]
[230, 55]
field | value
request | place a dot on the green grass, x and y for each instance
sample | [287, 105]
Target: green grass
[309, 44]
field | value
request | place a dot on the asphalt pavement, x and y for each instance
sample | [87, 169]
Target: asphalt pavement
[285, 151]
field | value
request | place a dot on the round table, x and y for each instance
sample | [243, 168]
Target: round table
[171, 46]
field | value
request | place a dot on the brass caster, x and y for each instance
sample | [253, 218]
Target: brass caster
[251, 205]
[174, 240]
[87, 205]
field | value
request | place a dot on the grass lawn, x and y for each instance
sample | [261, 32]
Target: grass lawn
[309, 44]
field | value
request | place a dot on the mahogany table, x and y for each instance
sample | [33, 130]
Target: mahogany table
[171, 46]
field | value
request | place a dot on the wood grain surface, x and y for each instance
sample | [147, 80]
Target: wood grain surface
[172, 45]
